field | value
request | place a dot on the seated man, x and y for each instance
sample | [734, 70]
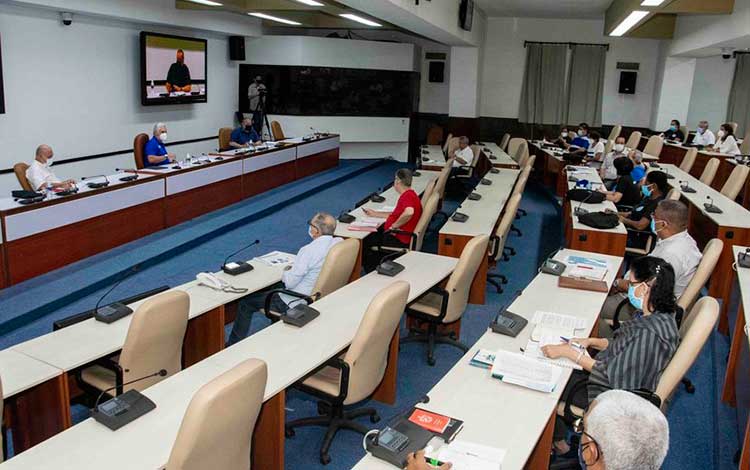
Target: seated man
[703, 135]
[40, 176]
[674, 245]
[597, 147]
[155, 153]
[608, 172]
[639, 168]
[564, 139]
[300, 277]
[579, 146]
[464, 155]
[244, 135]
[674, 132]
[654, 188]
[404, 218]
[625, 191]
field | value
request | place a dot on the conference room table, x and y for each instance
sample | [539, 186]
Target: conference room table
[500, 415]
[484, 215]
[70, 228]
[732, 227]
[290, 353]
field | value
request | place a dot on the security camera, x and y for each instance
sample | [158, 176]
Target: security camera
[727, 52]
[67, 18]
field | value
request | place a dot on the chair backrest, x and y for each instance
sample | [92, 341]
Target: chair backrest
[20, 170]
[475, 151]
[689, 159]
[452, 145]
[459, 284]
[709, 172]
[615, 133]
[685, 133]
[2, 396]
[530, 163]
[368, 354]
[735, 182]
[435, 135]
[337, 267]
[734, 126]
[501, 233]
[139, 147]
[443, 179]
[695, 330]
[428, 211]
[276, 131]
[429, 190]
[154, 339]
[674, 194]
[225, 136]
[633, 140]
[745, 147]
[711, 254]
[653, 146]
[522, 154]
[523, 178]
[504, 141]
[513, 145]
[217, 429]
[447, 141]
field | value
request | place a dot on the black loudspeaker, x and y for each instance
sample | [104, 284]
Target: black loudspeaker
[437, 72]
[236, 47]
[627, 82]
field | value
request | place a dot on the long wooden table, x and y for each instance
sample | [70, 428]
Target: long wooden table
[502, 415]
[69, 228]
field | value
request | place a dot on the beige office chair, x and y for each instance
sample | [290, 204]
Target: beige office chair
[613, 135]
[334, 274]
[470, 170]
[653, 146]
[711, 255]
[497, 242]
[633, 140]
[417, 236]
[522, 154]
[513, 145]
[519, 187]
[443, 306]
[225, 136]
[447, 141]
[153, 343]
[434, 135]
[674, 194]
[504, 141]
[735, 182]
[685, 134]
[689, 159]
[734, 126]
[443, 179]
[354, 376]
[2, 434]
[217, 429]
[139, 148]
[429, 189]
[709, 172]
[452, 146]
[745, 147]
[694, 332]
[20, 170]
[276, 132]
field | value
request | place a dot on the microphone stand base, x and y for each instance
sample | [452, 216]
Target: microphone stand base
[237, 268]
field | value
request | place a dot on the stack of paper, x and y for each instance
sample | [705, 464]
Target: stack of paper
[524, 371]
[534, 351]
[555, 324]
[469, 456]
[277, 258]
[594, 269]
[366, 224]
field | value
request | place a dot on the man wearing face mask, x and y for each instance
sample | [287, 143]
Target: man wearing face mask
[564, 139]
[674, 132]
[244, 135]
[178, 76]
[300, 277]
[155, 153]
[703, 135]
[39, 174]
[607, 171]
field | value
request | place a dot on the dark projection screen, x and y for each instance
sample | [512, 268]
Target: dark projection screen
[330, 91]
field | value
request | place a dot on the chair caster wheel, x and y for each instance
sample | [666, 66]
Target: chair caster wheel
[690, 389]
[325, 459]
[323, 408]
[289, 432]
[431, 361]
[374, 418]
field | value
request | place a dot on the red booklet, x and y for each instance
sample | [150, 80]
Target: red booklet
[430, 421]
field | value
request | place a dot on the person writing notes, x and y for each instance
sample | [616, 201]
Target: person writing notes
[155, 153]
[727, 143]
[244, 135]
[178, 76]
[703, 135]
[40, 176]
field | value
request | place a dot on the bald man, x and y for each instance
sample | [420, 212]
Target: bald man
[178, 76]
[40, 176]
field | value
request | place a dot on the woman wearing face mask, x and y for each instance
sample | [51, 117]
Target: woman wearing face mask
[674, 132]
[638, 352]
[726, 143]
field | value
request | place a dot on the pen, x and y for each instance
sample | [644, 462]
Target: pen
[575, 345]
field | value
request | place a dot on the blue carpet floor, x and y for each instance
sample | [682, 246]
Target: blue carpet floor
[703, 431]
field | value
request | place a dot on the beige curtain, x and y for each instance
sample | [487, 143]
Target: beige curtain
[586, 84]
[543, 92]
[739, 97]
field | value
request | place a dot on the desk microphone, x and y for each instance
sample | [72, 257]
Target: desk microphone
[685, 187]
[238, 267]
[161, 373]
[122, 409]
[101, 184]
[579, 211]
[132, 177]
[376, 197]
[116, 310]
[710, 207]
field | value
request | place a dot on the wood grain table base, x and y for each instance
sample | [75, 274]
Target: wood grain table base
[312, 164]
[592, 240]
[267, 451]
[193, 203]
[386, 391]
[204, 336]
[729, 392]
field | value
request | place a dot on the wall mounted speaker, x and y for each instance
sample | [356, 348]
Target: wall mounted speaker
[437, 72]
[236, 47]
[627, 82]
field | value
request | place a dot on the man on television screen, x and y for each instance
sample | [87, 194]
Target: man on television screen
[178, 77]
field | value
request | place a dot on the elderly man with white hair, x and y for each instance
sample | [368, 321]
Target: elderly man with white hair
[155, 153]
[622, 431]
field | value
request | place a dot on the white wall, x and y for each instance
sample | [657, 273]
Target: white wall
[696, 32]
[712, 84]
[505, 60]
[677, 84]
[464, 82]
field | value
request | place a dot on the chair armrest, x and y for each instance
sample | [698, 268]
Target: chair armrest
[568, 415]
[340, 364]
[616, 317]
[445, 296]
[271, 293]
[412, 235]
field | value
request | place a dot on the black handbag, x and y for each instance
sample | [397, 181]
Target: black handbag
[600, 220]
[585, 195]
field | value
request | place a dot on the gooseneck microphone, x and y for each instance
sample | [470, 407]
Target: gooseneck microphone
[238, 267]
[116, 310]
[100, 184]
[124, 408]
[161, 373]
[710, 207]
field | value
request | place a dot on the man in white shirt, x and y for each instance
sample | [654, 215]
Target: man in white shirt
[608, 172]
[464, 155]
[39, 174]
[674, 245]
[300, 277]
[703, 135]
[255, 97]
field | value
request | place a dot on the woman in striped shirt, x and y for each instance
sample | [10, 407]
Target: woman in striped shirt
[640, 349]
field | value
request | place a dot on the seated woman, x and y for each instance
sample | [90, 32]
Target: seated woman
[638, 220]
[625, 191]
[639, 351]
[597, 147]
[726, 143]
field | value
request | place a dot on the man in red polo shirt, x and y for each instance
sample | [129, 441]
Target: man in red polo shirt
[404, 218]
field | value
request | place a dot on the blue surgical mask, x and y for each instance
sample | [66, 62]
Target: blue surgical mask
[653, 226]
[635, 301]
[673, 128]
[646, 190]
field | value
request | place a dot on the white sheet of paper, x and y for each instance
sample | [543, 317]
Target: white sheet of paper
[469, 456]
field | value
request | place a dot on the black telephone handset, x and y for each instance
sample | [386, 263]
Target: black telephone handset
[346, 218]
[494, 171]
[475, 196]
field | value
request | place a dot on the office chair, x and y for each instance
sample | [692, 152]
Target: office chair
[153, 342]
[653, 146]
[633, 140]
[613, 135]
[429, 189]
[276, 131]
[527, 167]
[441, 184]
[444, 306]
[674, 194]
[417, 236]
[685, 134]
[355, 375]
[497, 241]
[735, 182]
[469, 179]
[139, 148]
[447, 141]
[745, 147]
[20, 170]
[513, 145]
[709, 172]
[689, 159]
[504, 141]
[335, 273]
[217, 429]
[225, 136]
[519, 188]
[734, 126]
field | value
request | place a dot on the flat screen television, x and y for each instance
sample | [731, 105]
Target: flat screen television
[466, 14]
[173, 69]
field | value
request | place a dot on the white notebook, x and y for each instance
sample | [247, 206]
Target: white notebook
[520, 370]
[469, 456]
[534, 350]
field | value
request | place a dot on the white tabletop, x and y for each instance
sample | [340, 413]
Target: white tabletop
[290, 353]
[20, 372]
[502, 156]
[501, 415]
[592, 175]
[435, 156]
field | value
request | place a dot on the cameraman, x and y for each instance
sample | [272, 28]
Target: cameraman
[256, 94]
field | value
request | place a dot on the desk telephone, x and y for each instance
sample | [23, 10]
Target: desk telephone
[213, 282]
[743, 259]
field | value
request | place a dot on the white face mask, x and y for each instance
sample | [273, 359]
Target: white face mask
[48, 163]
[720, 134]
[310, 231]
[700, 130]
[619, 148]
[163, 136]
[580, 133]
[564, 134]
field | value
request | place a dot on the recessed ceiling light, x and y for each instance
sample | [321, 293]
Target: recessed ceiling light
[651, 3]
[312, 3]
[628, 23]
[274, 18]
[359, 19]
[207, 3]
